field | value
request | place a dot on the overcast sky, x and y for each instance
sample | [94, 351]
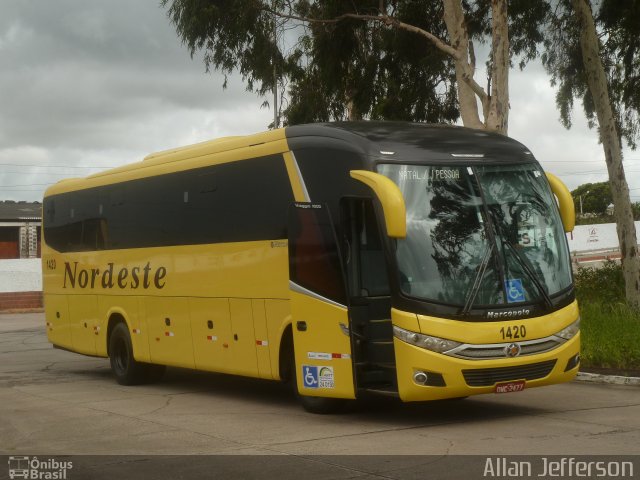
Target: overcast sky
[90, 84]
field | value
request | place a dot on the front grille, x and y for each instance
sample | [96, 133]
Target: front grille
[484, 352]
[485, 377]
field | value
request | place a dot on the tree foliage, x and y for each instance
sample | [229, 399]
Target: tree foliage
[362, 59]
[366, 70]
[619, 29]
[596, 197]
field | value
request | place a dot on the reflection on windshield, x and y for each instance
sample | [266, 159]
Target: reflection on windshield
[449, 234]
[520, 202]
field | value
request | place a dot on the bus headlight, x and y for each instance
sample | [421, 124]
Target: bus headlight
[435, 344]
[569, 332]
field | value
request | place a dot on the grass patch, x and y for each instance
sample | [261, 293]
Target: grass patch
[610, 330]
[610, 336]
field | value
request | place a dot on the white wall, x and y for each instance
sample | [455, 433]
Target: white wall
[595, 237]
[21, 275]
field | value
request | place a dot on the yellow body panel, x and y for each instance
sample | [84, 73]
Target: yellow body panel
[170, 339]
[84, 323]
[278, 316]
[211, 331]
[489, 332]
[56, 310]
[132, 309]
[241, 269]
[410, 358]
[241, 287]
[262, 344]
[243, 345]
[321, 345]
[565, 200]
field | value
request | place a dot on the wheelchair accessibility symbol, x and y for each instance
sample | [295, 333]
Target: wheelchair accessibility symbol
[515, 290]
[317, 377]
[310, 376]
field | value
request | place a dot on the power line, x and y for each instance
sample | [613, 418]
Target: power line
[28, 185]
[35, 173]
[56, 166]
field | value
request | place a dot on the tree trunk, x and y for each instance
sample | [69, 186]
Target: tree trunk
[598, 87]
[459, 39]
[498, 118]
[495, 104]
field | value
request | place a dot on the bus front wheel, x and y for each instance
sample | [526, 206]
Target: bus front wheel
[125, 368]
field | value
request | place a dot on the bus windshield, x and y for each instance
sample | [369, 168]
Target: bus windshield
[479, 236]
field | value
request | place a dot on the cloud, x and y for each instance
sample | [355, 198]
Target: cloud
[574, 154]
[94, 84]
[103, 83]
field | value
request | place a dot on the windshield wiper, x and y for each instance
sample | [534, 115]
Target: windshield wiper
[528, 269]
[482, 268]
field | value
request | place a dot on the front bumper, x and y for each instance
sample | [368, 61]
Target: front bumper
[556, 366]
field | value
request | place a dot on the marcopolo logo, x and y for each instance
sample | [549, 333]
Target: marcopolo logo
[522, 312]
[133, 278]
[36, 469]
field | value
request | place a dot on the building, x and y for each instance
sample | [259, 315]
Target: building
[20, 229]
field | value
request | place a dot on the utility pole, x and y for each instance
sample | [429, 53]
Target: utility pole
[580, 197]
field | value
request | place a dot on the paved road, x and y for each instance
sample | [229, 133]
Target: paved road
[55, 403]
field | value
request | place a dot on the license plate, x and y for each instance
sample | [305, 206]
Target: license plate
[509, 387]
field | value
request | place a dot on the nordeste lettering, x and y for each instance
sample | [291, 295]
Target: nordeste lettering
[139, 276]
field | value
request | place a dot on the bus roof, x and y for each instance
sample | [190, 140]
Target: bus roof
[391, 142]
[416, 142]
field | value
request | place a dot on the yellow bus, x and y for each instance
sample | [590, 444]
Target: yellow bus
[425, 262]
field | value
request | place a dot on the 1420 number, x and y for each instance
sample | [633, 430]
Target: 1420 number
[515, 332]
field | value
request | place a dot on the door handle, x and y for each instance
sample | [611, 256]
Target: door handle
[301, 326]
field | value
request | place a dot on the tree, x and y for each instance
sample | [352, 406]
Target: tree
[350, 69]
[355, 55]
[593, 197]
[636, 210]
[574, 57]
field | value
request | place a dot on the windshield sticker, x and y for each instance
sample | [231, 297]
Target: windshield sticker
[515, 290]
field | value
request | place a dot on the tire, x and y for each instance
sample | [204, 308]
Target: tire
[125, 368]
[319, 405]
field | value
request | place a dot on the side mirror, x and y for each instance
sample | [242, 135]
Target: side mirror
[390, 196]
[565, 202]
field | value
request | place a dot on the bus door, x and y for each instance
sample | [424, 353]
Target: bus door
[369, 295]
[319, 305]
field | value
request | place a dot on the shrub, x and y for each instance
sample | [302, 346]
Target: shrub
[603, 285]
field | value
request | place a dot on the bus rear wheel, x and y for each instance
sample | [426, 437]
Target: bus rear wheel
[125, 368]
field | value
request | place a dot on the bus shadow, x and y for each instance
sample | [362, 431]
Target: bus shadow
[369, 408]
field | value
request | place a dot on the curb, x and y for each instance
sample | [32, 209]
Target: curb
[607, 379]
